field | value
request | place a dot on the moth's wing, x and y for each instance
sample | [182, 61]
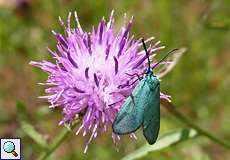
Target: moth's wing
[151, 124]
[130, 117]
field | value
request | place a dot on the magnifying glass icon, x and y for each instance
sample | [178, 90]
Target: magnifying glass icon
[9, 147]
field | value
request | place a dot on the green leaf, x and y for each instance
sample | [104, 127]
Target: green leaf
[27, 128]
[33, 134]
[164, 141]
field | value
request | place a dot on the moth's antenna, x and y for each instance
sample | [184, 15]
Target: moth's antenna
[147, 54]
[165, 57]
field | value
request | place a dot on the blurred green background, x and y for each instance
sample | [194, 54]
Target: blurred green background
[199, 84]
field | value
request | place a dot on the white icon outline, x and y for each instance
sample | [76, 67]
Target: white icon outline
[17, 149]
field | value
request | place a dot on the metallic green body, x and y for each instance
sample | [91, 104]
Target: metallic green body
[142, 108]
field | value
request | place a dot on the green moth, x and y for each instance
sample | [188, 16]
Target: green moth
[142, 107]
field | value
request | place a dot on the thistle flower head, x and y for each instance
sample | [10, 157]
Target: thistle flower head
[93, 73]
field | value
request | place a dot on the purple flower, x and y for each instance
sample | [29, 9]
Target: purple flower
[94, 73]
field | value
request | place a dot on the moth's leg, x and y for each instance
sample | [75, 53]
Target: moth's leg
[133, 82]
[115, 102]
[135, 74]
[122, 100]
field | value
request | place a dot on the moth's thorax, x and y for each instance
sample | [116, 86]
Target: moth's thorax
[152, 80]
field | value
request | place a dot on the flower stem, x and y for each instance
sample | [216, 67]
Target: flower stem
[61, 137]
[172, 109]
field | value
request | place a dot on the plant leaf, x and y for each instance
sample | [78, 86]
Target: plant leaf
[27, 128]
[164, 141]
[33, 134]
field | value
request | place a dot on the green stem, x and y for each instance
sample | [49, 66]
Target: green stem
[61, 137]
[172, 109]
